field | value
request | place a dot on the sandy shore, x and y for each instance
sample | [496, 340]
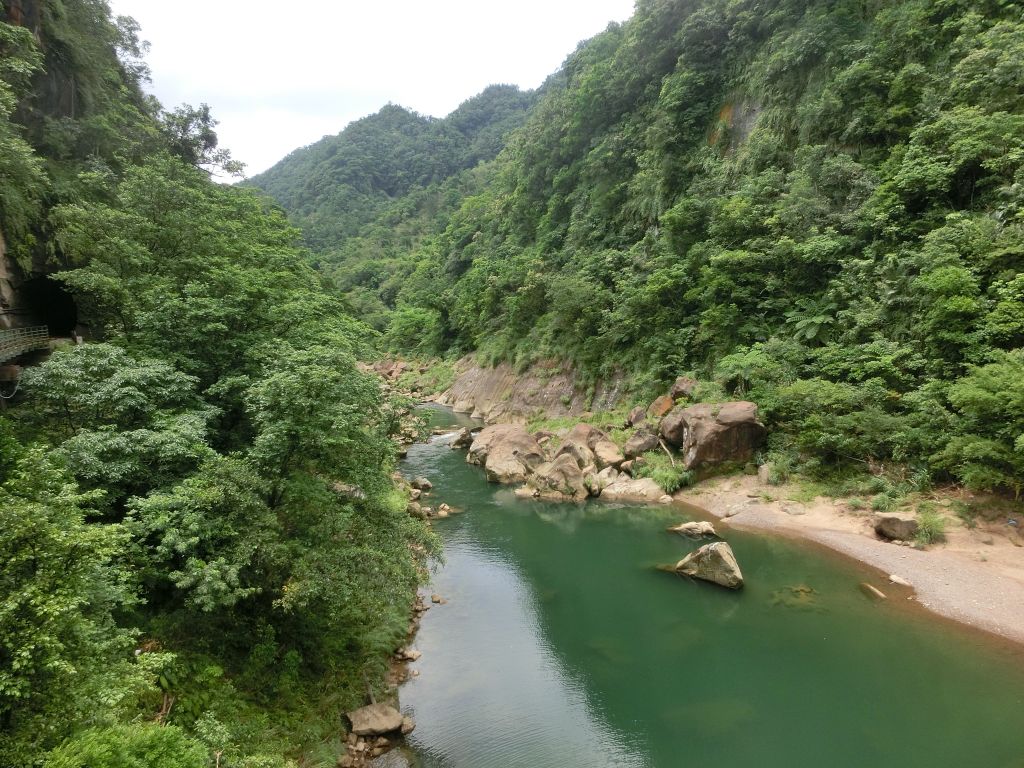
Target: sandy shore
[976, 577]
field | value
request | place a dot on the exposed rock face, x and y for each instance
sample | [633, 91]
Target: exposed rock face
[560, 478]
[712, 434]
[684, 386]
[694, 530]
[713, 562]
[642, 441]
[500, 394]
[375, 720]
[895, 528]
[660, 407]
[630, 489]
[636, 416]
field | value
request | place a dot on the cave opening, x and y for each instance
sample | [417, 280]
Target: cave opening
[44, 301]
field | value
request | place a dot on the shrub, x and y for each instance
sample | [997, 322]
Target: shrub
[931, 525]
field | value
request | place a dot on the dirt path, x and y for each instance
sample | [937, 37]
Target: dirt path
[976, 577]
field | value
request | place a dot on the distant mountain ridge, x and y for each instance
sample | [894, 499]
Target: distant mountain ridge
[335, 186]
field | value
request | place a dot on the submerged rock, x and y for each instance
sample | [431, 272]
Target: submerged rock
[713, 562]
[694, 530]
[375, 720]
[712, 434]
[872, 591]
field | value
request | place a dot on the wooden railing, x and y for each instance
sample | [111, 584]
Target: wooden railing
[18, 341]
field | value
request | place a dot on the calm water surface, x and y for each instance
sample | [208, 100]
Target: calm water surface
[561, 646]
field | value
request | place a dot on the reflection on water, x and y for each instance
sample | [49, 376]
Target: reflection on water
[561, 645]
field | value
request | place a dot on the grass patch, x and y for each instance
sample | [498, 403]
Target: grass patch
[658, 467]
[931, 525]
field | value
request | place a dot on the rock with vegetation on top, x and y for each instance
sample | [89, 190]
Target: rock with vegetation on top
[660, 407]
[695, 529]
[560, 478]
[642, 441]
[684, 386]
[895, 528]
[633, 489]
[375, 720]
[714, 433]
[713, 562]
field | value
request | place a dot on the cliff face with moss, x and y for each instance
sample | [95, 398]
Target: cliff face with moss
[814, 204]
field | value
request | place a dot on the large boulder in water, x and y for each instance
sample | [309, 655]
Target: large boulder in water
[508, 452]
[487, 438]
[713, 562]
[714, 433]
[462, 439]
[560, 478]
[375, 720]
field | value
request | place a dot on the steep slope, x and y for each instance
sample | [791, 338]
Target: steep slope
[814, 203]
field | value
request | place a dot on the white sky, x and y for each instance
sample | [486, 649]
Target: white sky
[280, 75]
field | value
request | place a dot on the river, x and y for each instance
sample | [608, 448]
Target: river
[560, 645]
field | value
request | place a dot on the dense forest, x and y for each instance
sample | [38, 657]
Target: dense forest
[203, 559]
[813, 204]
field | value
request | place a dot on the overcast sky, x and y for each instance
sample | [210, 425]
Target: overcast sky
[280, 75]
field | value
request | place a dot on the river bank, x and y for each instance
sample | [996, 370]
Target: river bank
[975, 576]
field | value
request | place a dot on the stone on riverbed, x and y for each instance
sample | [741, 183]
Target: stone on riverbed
[713, 562]
[694, 530]
[375, 720]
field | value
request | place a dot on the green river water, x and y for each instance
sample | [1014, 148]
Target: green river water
[561, 646]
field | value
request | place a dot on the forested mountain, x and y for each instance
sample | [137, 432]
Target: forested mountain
[335, 186]
[815, 204]
[203, 559]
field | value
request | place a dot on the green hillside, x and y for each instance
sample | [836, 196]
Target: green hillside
[816, 205]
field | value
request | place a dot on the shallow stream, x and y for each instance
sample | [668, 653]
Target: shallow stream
[562, 646]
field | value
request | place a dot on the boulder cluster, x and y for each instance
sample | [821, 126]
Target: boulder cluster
[705, 434]
[584, 461]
